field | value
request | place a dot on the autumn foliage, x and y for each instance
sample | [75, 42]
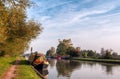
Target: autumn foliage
[16, 30]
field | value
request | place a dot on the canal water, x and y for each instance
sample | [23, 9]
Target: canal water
[66, 69]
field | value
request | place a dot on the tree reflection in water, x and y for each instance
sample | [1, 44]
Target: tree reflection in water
[66, 67]
[52, 62]
[108, 68]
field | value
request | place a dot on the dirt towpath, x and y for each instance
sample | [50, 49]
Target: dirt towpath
[10, 73]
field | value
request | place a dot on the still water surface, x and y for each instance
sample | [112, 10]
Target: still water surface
[65, 69]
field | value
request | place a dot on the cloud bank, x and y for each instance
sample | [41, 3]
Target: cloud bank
[90, 24]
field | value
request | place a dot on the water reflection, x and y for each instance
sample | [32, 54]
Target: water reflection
[52, 62]
[108, 68]
[44, 72]
[66, 69]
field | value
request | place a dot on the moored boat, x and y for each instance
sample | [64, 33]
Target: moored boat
[38, 60]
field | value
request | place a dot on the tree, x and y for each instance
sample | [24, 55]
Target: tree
[114, 54]
[63, 46]
[16, 32]
[78, 49]
[108, 54]
[102, 51]
[91, 54]
[61, 49]
[84, 53]
[77, 52]
[71, 51]
[51, 52]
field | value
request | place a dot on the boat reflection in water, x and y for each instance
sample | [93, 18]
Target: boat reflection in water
[44, 73]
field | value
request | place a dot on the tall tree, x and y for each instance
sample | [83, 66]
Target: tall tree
[63, 46]
[61, 49]
[51, 52]
[15, 31]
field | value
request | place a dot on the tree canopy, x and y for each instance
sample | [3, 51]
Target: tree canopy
[16, 31]
[51, 52]
[65, 47]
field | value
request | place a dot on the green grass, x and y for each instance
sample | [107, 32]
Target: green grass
[25, 71]
[5, 63]
[99, 60]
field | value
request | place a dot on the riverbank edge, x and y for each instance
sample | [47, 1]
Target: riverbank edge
[25, 71]
[98, 60]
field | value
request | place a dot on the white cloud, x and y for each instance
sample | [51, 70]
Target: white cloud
[99, 34]
[71, 17]
[90, 28]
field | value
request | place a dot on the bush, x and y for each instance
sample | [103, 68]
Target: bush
[2, 53]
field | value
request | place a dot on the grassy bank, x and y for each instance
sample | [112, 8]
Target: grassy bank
[5, 63]
[99, 60]
[24, 71]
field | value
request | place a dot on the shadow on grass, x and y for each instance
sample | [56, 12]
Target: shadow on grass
[20, 62]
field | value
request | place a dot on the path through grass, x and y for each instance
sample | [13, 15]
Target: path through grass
[24, 71]
[5, 63]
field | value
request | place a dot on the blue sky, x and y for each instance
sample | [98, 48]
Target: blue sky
[91, 24]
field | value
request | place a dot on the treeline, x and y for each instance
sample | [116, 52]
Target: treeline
[16, 31]
[104, 54]
[66, 48]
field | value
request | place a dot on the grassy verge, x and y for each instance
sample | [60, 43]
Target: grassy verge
[5, 63]
[99, 60]
[24, 71]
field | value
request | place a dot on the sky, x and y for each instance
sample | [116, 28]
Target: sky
[90, 24]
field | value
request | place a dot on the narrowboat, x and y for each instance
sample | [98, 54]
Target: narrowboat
[38, 60]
